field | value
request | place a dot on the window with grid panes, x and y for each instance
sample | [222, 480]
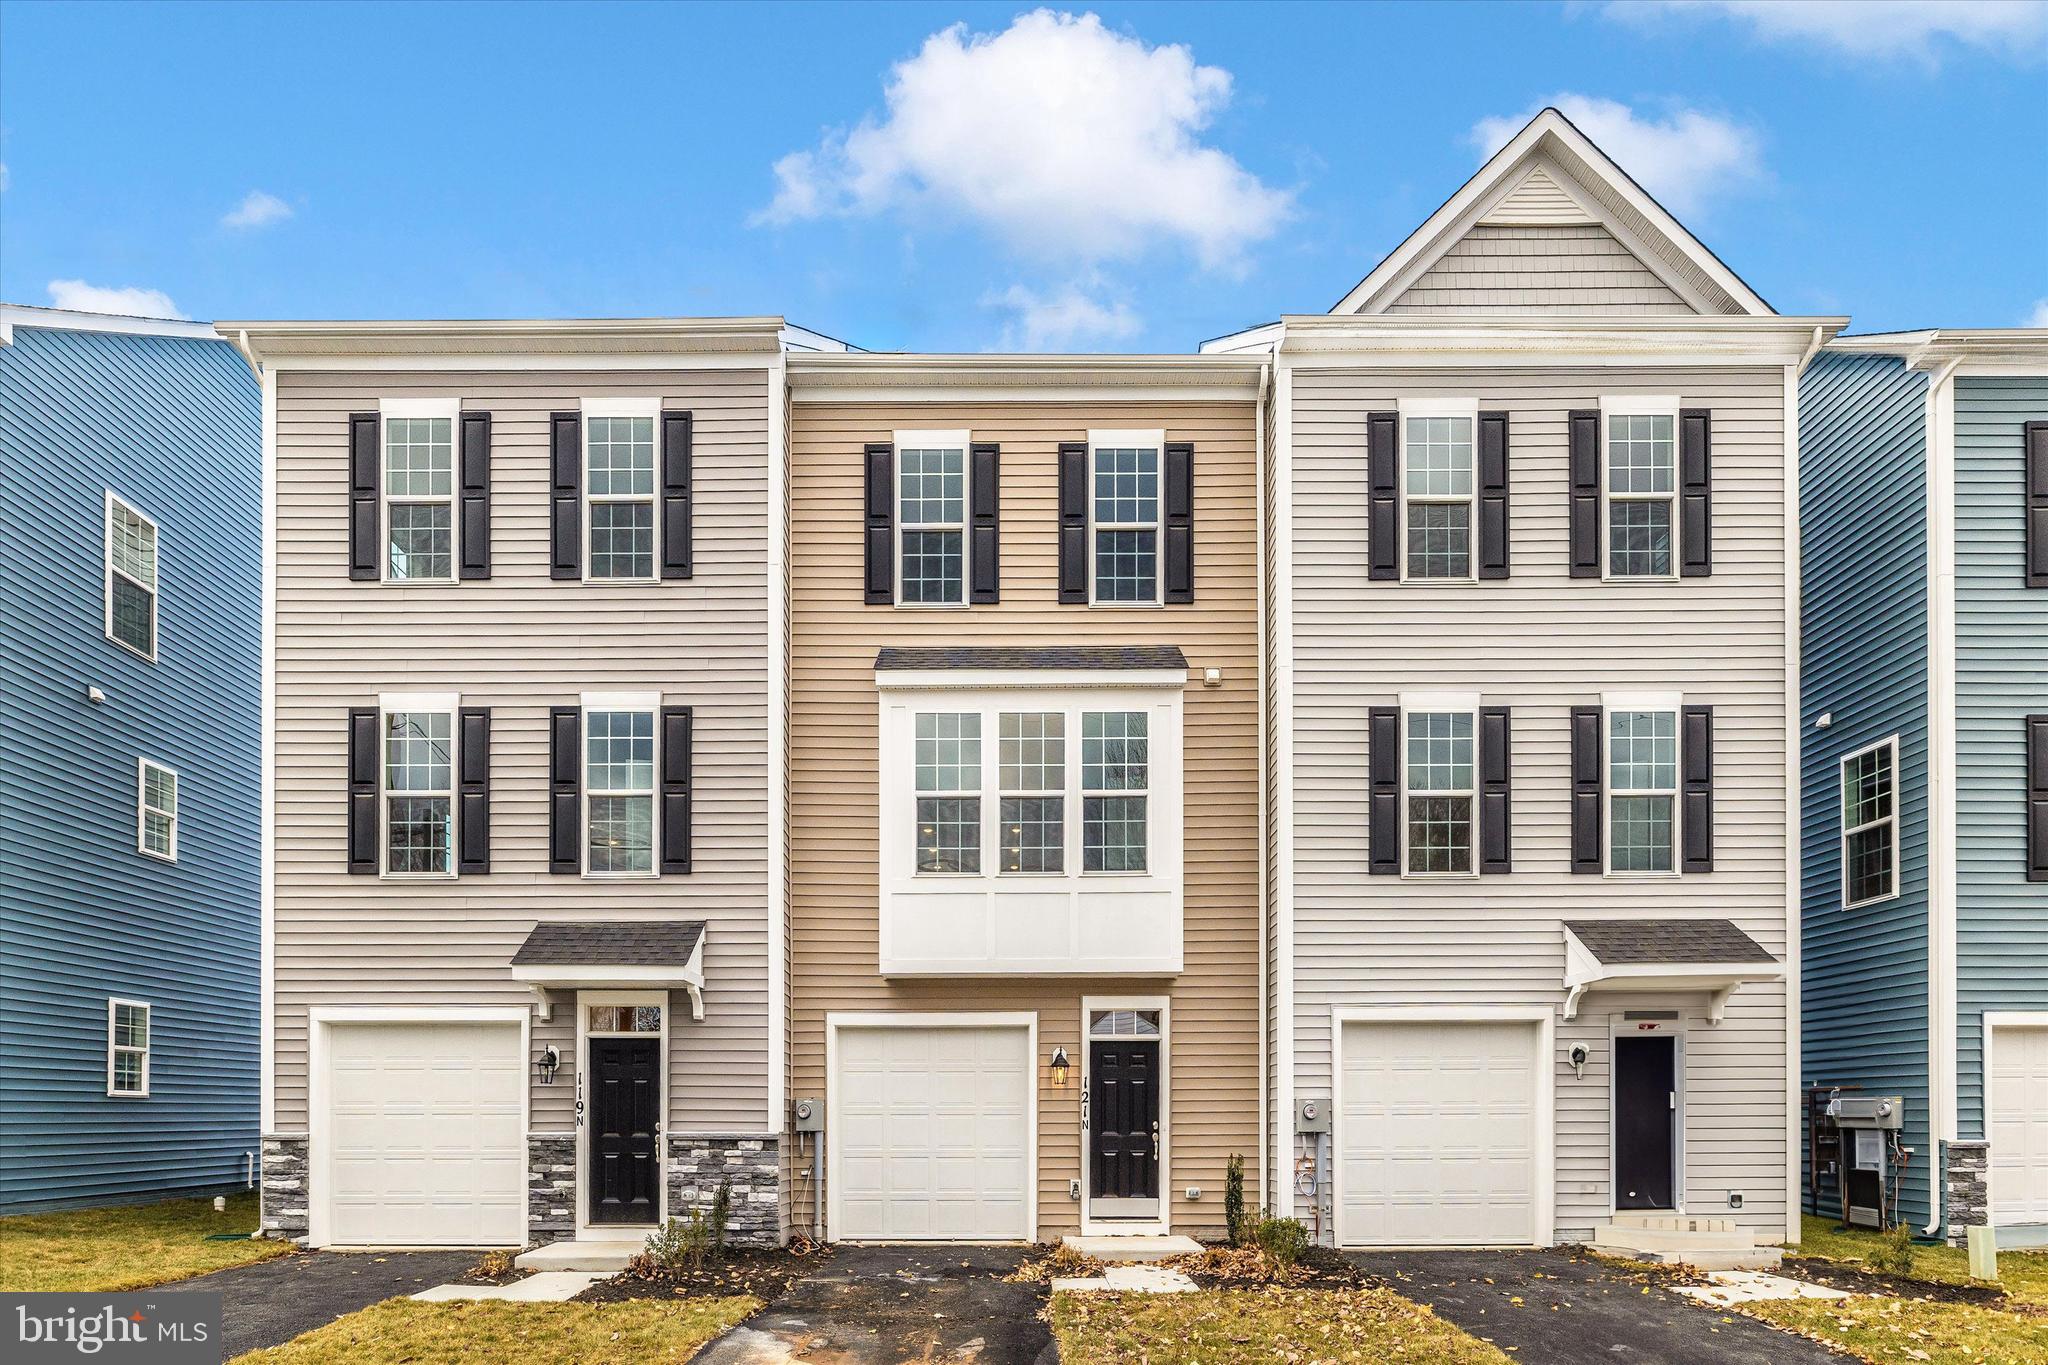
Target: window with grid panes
[1115, 777]
[932, 514]
[419, 793]
[131, 578]
[127, 1047]
[1642, 492]
[1438, 486]
[618, 777]
[1642, 780]
[157, 811]
[1870, 824]
[948, 763]
[1439, 795]
[1032, 764]
[419, 498]
[620, 496]
[1125, 511]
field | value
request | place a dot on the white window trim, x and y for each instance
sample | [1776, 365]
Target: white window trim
[979, 792]
[933, 440]
[1163, 1007]
[1467, 408]
[1078, 774]
[649, 702]
[1891, 746]
[107, 585]
[451, 410]
[1439, 703]
[1639, 405]
[148, 1046]
[619, 407]
[416, 702]
[584, 1033]
[143, 810]
[1135, 438]
[1610, 702]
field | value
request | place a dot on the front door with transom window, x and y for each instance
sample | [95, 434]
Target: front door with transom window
[1124, 1080]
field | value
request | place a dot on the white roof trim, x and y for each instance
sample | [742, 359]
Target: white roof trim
[13, 315]
[1584, 971]
[550, 976]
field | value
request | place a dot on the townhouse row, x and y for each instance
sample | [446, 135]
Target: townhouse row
[975, 797]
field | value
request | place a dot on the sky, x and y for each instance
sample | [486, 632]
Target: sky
[969, 177]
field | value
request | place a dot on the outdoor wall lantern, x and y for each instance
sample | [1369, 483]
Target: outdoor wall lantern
[1059, 1068]
[547, 1064]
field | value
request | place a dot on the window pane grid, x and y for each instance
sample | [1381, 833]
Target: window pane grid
[422, 540]
[931, 492]
[1869, 815]
[1032, 775]
[1115, 757]
[1642, 481]
[133, 542]
[1439, 457]
[159, 810]
[1642, 774]
[619, 455]
[1439, 777]
[131, 578]
[933, 570]
[1125, 509]
[1439, 540]
[419, 457]
[948, 761]
[618, 776]
[1113, 833]
[1439, 834]
[419, 785]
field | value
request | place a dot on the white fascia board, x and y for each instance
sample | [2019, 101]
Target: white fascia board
[1405, 341]
[13, 315]
[1035, 679]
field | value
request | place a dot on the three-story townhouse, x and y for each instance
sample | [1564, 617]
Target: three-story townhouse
[1531, 641]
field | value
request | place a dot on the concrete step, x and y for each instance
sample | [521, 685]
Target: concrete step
[608, 1256]
[1674, 1222]
[1122, 1248]
[1654, 1239]
[1756, 1258]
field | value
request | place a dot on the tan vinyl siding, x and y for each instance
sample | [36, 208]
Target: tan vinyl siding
[834, 945]
[1539, 269]
[1542, 642]
[520, 643]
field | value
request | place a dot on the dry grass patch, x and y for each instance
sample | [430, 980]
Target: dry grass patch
[1913, 1331]
[1219, 1327]
[2023, 1275]
[404, 1332]
[107, 1250]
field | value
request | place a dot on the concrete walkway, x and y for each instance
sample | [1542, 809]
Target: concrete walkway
[269, 1303]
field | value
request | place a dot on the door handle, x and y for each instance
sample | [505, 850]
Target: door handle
[1155, 1139]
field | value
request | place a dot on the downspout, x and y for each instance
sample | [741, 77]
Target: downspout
[1259, 684]
[1941, 783]
[240, 341]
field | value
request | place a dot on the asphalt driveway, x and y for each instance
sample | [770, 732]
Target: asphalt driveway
[1556, 1307]
[269, 1303]
[946, 1305]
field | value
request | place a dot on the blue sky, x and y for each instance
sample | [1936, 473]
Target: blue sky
[1142, 180]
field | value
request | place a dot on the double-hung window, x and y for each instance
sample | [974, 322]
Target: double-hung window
[1870, 824]
[1115, 781]
[419, 491]
[619, 785]
[1437, 486]
[931, 520]
[1642, 787]
[156, 810]
[417, 755]
[1642, 487]
[130, 578]
[948, 765]
[127, 1048]
[619, 489]
[1123, 512]
[1032, 759]
[1438, 777]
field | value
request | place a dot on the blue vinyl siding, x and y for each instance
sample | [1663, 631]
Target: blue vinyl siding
[1863, 627]
[172, 425]
[2001, 675]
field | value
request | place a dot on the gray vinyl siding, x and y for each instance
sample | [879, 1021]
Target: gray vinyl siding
[1540, 643]
[1574, 268]
[2001, 675]
[519, 643]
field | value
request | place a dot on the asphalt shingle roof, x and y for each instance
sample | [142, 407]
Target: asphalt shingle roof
[1032, 656]
[1667, 940]
[611, 943]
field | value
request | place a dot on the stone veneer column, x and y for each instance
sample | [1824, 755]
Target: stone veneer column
[1965, 1165]
[698, 1164]
[282, 1199]
[550, 1187]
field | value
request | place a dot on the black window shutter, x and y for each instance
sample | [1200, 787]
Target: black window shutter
[1496, 776]
[1493, 495]
[476, 495]
[1074, 522]
[1180, 522]
[1383, 756]
[985, 523]
[1583, 427]
[880, 467]
[363, 531]
[675, 494]
[1696, 491]
[1697, 787]
[2037, 798]
[2037, 504]
[565, 790]
[1587, 790]
[565, 462]
[1383, 474]
[473, 754]
[675, 789]
[362, 790]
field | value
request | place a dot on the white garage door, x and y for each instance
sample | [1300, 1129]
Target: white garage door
[2017, 1124]
[426, 1139]
[933, 1139]
[1436, 1134]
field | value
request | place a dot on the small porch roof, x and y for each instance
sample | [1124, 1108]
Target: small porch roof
[1709, 955]
[614, 955]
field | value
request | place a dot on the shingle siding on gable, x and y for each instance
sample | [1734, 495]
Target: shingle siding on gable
[1863, 503]
[172, 424]
[1539, 269]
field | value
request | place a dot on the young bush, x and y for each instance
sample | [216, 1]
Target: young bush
[1283, 1239]
[1893, 1254]
[721, 1214]
[1233, 1198]
[681, 1243]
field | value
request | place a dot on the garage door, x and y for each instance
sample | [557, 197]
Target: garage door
[425, 1134]
[933, 1139]
[1436, 1134]
[2017, 1124]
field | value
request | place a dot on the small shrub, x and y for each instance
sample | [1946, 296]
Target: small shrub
[1893, 1254]
[721, 1214]
[1233, 1198]
[1283, 1239]
[495, 1264]
[681, 1243]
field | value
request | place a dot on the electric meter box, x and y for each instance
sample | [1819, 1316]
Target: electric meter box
[1312, 1117]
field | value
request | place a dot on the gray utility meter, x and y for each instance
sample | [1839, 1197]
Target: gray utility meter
[1314, 1117]
[1872, 1159]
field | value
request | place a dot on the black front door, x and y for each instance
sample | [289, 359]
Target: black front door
[1645, 1121]
[625, 1107]
[1123, 1118]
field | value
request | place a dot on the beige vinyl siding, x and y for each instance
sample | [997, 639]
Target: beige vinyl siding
[1214, 1090]
[1539, 269]
[1537, 199]
[519, 643]
[1541, 643]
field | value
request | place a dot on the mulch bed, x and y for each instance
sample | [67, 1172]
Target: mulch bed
[764, 1272]
[509, 1275]
[1227, 1267]
[1837, 1275]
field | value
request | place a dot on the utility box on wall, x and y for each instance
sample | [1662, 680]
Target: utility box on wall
[1312, 1117]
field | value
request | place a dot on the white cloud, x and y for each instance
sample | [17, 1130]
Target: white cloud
[1068, 140]
[2039, 317]
[1915, 29]
[256, 210]
[98, 298]
[1060, 319]
[1685, 160]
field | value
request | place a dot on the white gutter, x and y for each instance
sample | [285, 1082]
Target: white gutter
[1259, 684]
[1941, 776]
[1795, 784]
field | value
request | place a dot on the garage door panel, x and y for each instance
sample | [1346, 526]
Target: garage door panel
[2016, 1123]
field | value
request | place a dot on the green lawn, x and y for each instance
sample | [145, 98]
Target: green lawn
[404, 1332]
[1243, 1326]
[2022, 1274]
[1913, 1331]
[129, 1247]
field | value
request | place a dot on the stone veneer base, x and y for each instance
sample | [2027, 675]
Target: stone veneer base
[698, 1164]
[1964, 1167]
[282, 1199]
[550, 1187]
